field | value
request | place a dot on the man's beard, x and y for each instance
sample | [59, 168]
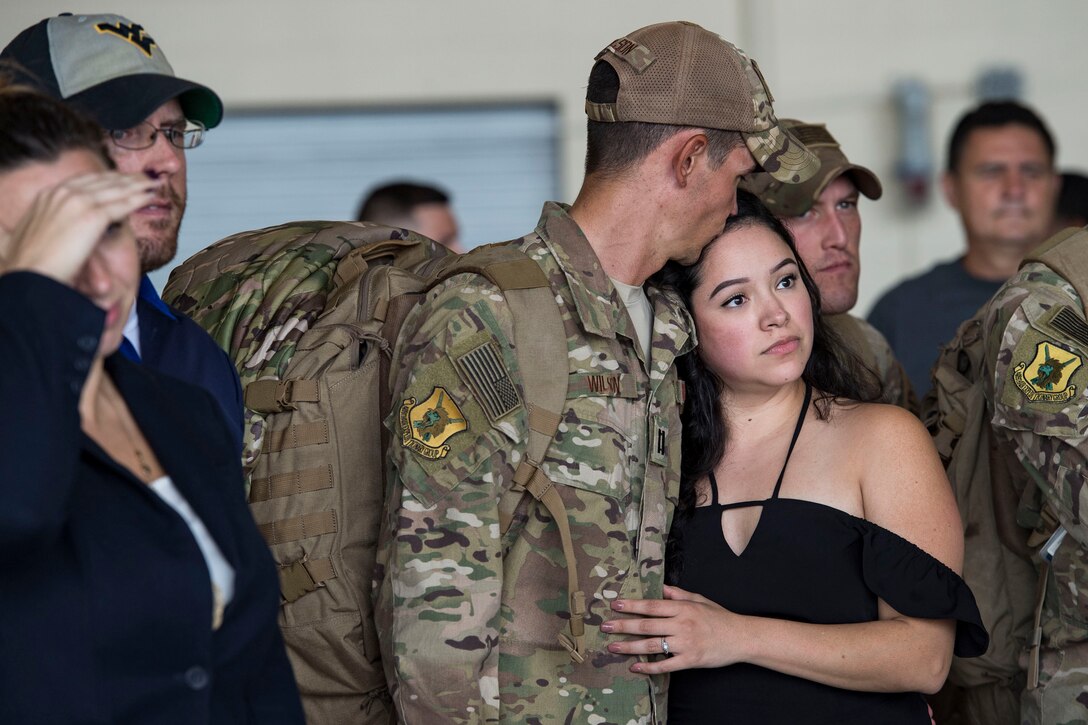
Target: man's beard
[158, 243]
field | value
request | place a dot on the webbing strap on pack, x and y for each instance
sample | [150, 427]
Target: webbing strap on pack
[290, 484]
[541, 347]
[303, 577]
[276, 396]
[298, 527]
[542, 489]
[1036, 642]
[540, 344]
[296, 436]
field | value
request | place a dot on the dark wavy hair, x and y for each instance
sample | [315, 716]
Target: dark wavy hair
[35, 128]
[832, 370]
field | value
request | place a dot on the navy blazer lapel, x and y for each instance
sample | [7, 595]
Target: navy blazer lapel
[188, 458]
[152, 324]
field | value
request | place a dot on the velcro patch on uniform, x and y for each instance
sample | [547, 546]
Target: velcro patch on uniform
[483, 370]
[638, 56]
[1066, 322]
[426, 426]
[1048, 376]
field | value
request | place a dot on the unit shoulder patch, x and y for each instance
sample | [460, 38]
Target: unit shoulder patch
[426, 426]
[1047, 377]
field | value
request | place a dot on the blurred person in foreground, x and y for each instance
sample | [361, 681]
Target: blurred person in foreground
[137, 588]
[111, 69]
[1001, 181]
[419, 208]
[823, 216]
[815, 552]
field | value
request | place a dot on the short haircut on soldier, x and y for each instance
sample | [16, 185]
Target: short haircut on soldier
[393, 203]
[994, 114]
[612, 148]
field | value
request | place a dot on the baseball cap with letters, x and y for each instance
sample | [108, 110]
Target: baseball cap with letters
[106, 66]
[681, 74]
[796, 199]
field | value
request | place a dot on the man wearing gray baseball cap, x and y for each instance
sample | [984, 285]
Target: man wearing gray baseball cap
[112, 69]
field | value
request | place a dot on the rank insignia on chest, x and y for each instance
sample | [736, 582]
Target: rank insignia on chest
[1047, 377]
[425, 427]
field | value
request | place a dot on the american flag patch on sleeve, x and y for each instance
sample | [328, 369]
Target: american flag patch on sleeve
[483, 370]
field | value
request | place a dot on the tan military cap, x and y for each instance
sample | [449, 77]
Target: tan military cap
[681, 74]
[796, 199]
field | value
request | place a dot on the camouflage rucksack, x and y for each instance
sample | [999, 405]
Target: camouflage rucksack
[309, 312]
[996, 559]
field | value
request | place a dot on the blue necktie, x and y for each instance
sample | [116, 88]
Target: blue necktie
[129, 350]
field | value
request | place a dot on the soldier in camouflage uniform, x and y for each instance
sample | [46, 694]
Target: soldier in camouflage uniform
[1037, 343]
[822, 214]
[469, 617]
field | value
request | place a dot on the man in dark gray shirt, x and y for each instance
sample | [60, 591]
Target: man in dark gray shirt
[1001, 180]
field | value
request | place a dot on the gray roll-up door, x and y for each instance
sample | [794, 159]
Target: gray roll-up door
[499, 163]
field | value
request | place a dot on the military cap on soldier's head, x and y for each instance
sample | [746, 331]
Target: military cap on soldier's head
[107, 66]
[796, 199]
[681, 74]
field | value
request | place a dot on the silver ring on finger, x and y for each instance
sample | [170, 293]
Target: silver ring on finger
[665, 647]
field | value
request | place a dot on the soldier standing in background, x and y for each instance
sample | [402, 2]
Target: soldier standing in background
[1036, 343]
[468, 616]
[822, 215]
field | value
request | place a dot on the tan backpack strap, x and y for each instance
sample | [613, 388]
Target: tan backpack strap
[1036, 642]
[1064, 253]
[540, 343]
[291, 484]
[276, 396]
[298, 527]
[543, 425]
[540, 486]
[296, 436]
[303, 577]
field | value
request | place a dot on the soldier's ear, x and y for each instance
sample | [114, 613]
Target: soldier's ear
[690, 150]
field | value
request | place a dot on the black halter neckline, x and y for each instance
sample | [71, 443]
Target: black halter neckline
[781, 474]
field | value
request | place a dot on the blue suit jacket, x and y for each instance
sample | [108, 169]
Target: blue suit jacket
[105, 599]
[172, 343]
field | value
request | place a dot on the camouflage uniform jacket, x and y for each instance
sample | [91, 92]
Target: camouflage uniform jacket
[873, 350]
[1037, 339]
[469, 618]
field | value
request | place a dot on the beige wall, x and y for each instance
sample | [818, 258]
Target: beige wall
[831, 60]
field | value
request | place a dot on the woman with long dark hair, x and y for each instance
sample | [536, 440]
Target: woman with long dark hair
[815, 549]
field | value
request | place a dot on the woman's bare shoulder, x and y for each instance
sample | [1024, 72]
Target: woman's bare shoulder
[879, 424]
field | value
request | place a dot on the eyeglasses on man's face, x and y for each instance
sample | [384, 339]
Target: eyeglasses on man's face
[183, 135]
